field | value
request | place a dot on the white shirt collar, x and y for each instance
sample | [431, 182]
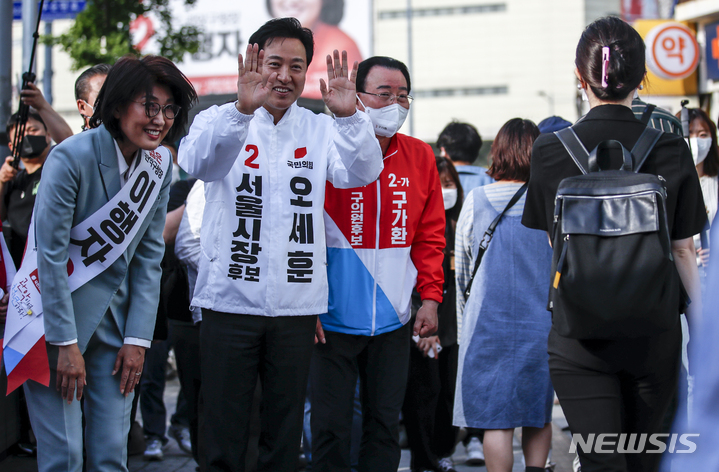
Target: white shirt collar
[125, 170]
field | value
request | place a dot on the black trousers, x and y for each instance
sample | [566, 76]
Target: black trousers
[186, 339]
[429, 405]
[234, 349]
[381, 362]
[615, 387]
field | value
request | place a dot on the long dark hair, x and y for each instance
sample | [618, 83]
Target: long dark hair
[625, 69]
[130, 77]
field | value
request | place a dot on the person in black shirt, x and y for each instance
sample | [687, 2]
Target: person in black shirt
[621, 385]
[19, 187]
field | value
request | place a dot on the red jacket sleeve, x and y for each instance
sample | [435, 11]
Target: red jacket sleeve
[427, 251]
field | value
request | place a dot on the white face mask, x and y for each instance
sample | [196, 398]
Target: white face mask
[449, 195]
[386, 120]
[700, 148]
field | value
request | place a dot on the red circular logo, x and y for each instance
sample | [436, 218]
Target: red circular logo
[672, 51]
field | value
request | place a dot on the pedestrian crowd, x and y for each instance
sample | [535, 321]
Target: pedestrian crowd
[341, 280]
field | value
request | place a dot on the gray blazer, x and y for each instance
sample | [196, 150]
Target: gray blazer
[80, 176]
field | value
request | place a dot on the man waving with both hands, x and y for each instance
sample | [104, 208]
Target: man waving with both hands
[262, 277]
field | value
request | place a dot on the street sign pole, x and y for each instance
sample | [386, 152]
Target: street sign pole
[47, 77]
[29, 21]
[5, 67]
[410, 14]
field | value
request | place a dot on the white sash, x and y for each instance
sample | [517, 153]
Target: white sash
[95, 244]
[7, 265]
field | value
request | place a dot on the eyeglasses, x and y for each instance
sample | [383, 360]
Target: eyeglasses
[153, 108]
[387, 97]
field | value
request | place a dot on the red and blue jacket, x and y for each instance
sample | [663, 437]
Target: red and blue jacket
[382, 240]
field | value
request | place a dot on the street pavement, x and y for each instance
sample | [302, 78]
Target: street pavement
[175, 460]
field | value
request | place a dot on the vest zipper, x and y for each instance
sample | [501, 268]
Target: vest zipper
[376, 258]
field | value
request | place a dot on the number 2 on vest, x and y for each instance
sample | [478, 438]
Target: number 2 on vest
[250, 161]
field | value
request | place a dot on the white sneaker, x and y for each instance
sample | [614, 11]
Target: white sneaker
[446, 464]
[153, 451]
[576, 466]
[475, 452]
[182, 436]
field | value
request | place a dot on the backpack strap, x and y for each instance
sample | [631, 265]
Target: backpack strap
[647, 115]
[574, 147]
[610, 144]
[644, 146]
[685, 118]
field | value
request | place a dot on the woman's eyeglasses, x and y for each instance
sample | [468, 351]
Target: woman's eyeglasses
[153, 108]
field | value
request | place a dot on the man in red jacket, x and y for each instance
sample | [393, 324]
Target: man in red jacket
[382, 240]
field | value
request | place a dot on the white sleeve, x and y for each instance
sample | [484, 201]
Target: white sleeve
[187, 242]
[146, 343]
[214, 142]
[355, 157]
[463, 263]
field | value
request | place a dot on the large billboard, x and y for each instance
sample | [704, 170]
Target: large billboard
[227, 26]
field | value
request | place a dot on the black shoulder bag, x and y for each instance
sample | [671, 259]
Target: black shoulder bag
[487, 238]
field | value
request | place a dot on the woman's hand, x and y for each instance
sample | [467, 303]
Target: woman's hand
[130, 359]
[685, 260]
[430, 344]
[70, 372]
[703, 256]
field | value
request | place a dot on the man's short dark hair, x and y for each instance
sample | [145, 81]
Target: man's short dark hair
[285, 28]
[460, 141]
[15, 118]
[129, 78]
[382, 61]
[82, 84]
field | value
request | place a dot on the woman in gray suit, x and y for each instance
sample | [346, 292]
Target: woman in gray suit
[99, 217]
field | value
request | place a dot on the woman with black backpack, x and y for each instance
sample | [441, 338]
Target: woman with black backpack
[617, 385]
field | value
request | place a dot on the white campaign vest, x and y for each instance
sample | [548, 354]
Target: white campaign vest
[95, 244]
[263, 235]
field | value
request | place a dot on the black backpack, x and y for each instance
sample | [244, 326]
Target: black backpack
[613, 274]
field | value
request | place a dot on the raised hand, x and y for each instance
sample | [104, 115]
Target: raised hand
[252, 89]
[33, 97]
[340, 91]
